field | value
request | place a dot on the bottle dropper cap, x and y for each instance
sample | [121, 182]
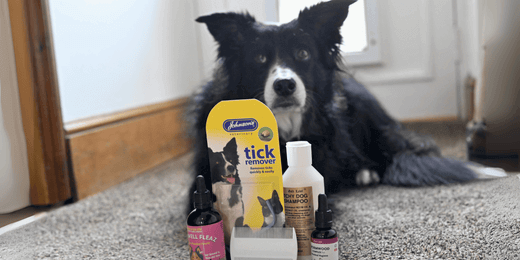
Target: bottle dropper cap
[323, 216]
[202, 196]
[299, 153]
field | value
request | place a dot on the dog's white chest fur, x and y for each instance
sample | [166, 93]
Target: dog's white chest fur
[280, 220]
[229, 213]
[289, 123]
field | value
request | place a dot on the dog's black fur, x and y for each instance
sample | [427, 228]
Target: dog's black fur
[348, 129]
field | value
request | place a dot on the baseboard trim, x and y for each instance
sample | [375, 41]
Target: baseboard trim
[76, 126]
[431, 119]
[107, 150]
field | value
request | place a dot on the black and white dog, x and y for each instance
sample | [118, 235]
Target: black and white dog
[226, 186]
[295, 69]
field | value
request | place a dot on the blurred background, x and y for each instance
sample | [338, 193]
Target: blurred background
[100, 98]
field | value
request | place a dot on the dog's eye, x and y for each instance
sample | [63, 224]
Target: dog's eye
[260, 58]
[303, 55]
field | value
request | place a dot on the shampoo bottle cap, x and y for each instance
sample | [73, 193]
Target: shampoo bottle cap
[323, 215]
[202, 196]
[299, 153]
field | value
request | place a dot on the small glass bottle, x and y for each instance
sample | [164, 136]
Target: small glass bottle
[324, 240]
[205, 226]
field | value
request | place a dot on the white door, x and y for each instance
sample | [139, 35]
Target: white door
[417, 75]
[14, 165]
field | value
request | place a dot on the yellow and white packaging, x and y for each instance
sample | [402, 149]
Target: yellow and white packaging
[249, 128]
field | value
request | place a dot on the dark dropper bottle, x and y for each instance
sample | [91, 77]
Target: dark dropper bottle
[205, 226]
[203, 214]
[324, 239]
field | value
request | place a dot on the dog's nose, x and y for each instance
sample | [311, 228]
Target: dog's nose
[231, 168]
[284, 87]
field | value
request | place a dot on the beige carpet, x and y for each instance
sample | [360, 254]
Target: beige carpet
[143, 218]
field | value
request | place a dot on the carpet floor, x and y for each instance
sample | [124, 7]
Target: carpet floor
[143, 218]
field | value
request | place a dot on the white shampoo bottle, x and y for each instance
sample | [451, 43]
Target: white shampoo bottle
[301, 184]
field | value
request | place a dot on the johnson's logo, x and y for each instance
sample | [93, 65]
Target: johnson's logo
[240, 125]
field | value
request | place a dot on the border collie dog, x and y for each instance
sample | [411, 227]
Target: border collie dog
[295, 69]
[226, 186]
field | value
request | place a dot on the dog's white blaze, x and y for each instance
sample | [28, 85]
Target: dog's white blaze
[226, 167]
[289, 118]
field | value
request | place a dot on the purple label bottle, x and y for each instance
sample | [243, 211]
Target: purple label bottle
[205, 227]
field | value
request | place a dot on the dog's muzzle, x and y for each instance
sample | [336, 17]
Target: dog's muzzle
[284, 89]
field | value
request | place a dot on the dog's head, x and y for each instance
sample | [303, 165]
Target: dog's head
[287, 66]
[275, 204]
[223, 165]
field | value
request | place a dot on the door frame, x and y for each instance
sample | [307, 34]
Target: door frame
[40, 102]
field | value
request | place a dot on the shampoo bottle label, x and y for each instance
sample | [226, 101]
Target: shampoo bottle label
[299, 213]
[207, 242]
[325, 249]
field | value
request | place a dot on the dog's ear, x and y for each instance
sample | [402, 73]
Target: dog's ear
[325, 20]
[230, 150]
[228, 29]
[275, 201]
[262, 201]
[231, 146]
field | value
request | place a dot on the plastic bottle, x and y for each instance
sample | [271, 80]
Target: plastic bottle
[324, 241]
[205, 226]
[302, 185]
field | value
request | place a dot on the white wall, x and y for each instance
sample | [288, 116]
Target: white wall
[14, 167]
[121, 54]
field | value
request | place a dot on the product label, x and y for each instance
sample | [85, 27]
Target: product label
[207, 242]
[325, 249]
[299, 213]
[244, 159]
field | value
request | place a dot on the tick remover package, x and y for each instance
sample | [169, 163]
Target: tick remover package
[246, 171]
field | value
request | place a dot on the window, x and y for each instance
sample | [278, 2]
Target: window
[361, 47]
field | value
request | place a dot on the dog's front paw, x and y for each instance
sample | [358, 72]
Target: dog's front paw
[367, 177]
